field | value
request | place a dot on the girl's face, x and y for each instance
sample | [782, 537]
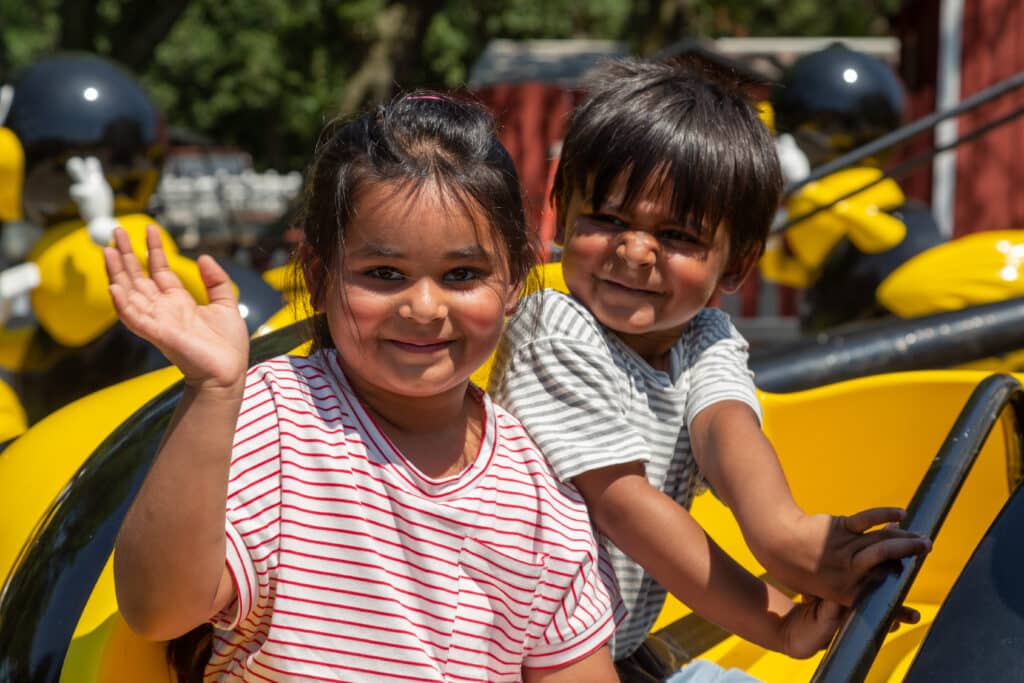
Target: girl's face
[422, 294]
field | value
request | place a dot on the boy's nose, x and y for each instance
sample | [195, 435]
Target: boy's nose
[638, 248]
[424, 302]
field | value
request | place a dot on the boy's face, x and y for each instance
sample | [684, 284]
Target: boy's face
[642, 274]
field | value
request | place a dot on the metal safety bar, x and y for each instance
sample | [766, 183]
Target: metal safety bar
[933, 341]
[852, 653]
[52, 579]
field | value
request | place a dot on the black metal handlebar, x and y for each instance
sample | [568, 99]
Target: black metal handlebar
[854, 650]
[929, 342]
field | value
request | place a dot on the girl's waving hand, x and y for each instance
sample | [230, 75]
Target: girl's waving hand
[210, 343]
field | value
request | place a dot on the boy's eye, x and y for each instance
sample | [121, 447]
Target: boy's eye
[608, 219]
[679, 236]
[462, 275]
[384, 273]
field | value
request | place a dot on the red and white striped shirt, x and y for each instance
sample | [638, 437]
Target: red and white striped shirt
[350, 564]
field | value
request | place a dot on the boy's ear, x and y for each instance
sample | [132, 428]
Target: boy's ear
[737, 273]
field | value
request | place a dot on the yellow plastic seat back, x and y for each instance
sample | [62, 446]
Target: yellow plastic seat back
[859, 444]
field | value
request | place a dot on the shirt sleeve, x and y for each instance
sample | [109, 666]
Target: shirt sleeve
[252, 521]
[568, 395]
[719, 366]
[581, 623]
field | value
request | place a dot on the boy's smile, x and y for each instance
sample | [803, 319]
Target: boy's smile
[640, 272]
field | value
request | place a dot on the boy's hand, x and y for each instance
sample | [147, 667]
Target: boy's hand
[810, 626]
[836, 557]
[812, 623]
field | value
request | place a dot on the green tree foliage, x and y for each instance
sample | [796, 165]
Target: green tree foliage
[263, 74]
[654, 24]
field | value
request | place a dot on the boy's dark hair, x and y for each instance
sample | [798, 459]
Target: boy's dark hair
[687, 124]
[418, 138]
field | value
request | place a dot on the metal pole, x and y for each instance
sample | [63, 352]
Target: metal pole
[947, 95]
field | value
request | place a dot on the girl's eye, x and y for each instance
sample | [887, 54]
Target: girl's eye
[462, 275]
[384, 273]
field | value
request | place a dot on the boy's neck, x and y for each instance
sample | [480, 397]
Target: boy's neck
[653, 347]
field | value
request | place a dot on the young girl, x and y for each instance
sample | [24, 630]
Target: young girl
[364, 513]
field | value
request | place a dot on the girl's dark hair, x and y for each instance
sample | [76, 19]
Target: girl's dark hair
[684, 124]
[417, 138]
[187, 655]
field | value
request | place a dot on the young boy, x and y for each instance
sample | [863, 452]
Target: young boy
[639, 394]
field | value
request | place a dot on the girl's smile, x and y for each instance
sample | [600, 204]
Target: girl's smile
[422, 346]
[422, 295]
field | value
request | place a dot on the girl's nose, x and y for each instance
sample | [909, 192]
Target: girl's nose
[424, 302]
[638, 248]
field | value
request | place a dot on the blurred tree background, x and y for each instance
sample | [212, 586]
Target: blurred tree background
[263, 74]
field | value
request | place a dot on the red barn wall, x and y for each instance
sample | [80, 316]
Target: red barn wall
[532, 118]
[989, 170]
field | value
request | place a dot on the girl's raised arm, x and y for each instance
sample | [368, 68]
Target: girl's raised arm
[169, 562]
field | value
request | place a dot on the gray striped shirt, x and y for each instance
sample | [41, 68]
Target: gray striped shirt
[590, 401]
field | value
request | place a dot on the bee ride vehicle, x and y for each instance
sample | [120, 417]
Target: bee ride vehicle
[844, 447]
[849, 238]
[80, 151]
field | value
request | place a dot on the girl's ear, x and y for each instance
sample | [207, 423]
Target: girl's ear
[736, 274]
[313, 270]
[514, 295]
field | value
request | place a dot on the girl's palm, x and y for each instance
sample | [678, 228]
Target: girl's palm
[209, 344]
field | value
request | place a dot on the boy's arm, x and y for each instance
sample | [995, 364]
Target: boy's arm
[169, 560]
[818, 554]
[663, 537]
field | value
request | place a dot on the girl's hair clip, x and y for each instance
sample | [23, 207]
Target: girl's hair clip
[425, 97]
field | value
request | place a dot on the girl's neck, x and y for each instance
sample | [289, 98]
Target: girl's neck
[439, 435]
[416, 415]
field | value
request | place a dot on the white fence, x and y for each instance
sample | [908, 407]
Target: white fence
[222, 206]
